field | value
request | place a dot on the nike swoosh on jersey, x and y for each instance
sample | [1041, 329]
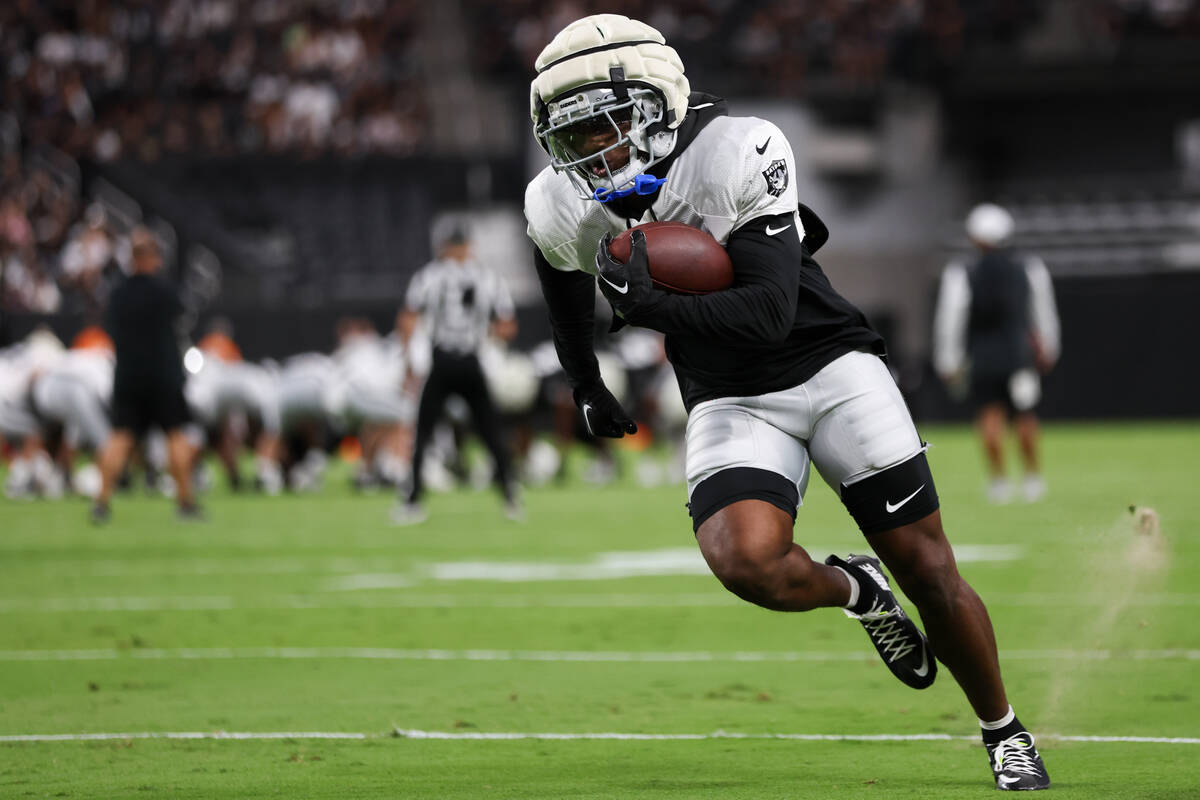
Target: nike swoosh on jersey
[772, 231]
[763, 149]
[892, 509]
[622, 289]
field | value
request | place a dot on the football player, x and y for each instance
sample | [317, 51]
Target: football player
[778, 372]
[996, 329]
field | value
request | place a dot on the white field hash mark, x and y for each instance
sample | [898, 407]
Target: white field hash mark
[404, 733]
[553, 656]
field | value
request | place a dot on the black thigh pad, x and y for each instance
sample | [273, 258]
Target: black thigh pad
[741, 483]
[899, 495]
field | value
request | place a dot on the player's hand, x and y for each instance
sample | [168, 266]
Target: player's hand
[602, 413]
[626, 286]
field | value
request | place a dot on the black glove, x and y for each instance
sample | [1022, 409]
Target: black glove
[626, 286]
[602, 413]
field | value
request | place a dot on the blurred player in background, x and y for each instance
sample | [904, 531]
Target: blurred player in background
[237, 404]
[31, 473]
[778, 373]
[308, 392]
[460, 302]
[148, 381]
[73, 396]
[371, 404]
[995, 330]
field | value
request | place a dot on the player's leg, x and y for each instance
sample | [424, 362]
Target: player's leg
[113, 458]
[487, 423]
[1029, 440]
[746, 478]
[429, 410]
[748, 546]
[179, 462]
[960, 630]
[867, 447]
[956, 621]
[991, 423]
[171, 413]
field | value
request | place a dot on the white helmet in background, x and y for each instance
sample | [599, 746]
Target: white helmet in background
[608, 76]
[989, 224]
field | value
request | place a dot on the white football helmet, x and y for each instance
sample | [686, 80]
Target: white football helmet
[989, 224]
[607, 84]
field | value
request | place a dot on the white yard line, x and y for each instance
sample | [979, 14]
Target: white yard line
[574, 656]
[403, 733]
[335, 600]
[374, 572]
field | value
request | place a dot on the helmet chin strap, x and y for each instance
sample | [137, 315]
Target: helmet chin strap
[643, 184]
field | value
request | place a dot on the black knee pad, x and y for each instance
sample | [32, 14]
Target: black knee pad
[741, 483]
[900, 495]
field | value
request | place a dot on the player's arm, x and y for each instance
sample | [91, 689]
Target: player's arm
[765, 248]
[504, 313]
[416, 298]
[950, 324]
[571, 301]
[761, 305]
[1043, 313]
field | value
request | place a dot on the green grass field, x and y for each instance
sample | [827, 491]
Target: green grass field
[313, 615]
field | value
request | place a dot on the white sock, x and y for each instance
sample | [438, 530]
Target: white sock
[1000, 723]
[854, 588]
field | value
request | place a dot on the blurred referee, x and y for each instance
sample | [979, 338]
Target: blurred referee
[461, 302]
[148, 384]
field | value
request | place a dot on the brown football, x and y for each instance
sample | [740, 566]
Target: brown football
[682, 259]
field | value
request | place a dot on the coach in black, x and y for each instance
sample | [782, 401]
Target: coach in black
[460, 301]
[148, 384]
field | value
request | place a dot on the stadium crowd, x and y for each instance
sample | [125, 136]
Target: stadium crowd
[105, 79]
[781, 47]
[149, 78]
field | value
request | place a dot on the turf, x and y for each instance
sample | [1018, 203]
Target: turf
[313, 614]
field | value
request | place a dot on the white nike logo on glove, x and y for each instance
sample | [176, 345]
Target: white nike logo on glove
[586, 408]
[772, 231]
[892, 509]
[621, 289]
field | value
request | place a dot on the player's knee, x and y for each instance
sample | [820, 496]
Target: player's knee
[765, 576]
[930, 578]
[751, 578]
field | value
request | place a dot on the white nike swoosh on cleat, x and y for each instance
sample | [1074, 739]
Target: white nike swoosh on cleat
[1007, 779]
[924, 670]
[625, 288]
[772, 231]
[892, 509]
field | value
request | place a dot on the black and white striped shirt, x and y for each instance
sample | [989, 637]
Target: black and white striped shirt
[459, 300]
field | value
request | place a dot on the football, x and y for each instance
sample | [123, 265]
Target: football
[682, 259]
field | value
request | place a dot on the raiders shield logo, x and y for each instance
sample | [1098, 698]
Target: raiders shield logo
[777, 177]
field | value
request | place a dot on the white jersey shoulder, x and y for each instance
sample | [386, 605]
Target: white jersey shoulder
[736, 169]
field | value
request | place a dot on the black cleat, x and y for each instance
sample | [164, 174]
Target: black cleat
[190, 513]
[897, 638]
[1016, 764]
[100, 514]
